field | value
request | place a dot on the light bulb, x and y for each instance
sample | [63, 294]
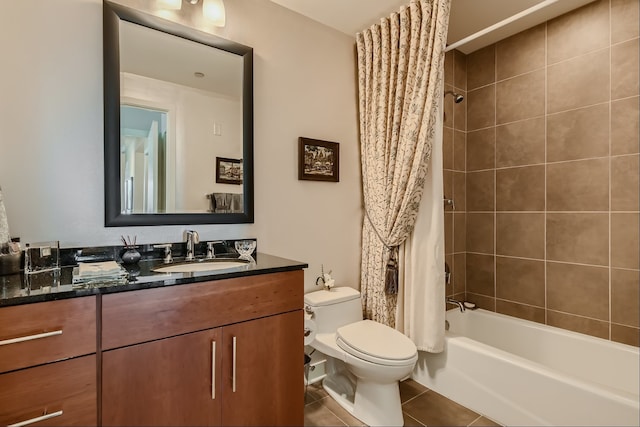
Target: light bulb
[213, 10]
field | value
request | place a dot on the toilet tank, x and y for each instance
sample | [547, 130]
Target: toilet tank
[335, 308]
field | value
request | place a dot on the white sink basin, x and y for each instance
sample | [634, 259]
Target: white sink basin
[199, 266]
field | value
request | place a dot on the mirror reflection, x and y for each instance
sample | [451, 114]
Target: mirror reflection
[184, 103]
[143, 144]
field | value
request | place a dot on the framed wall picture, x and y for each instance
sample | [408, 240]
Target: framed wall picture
[228, 171]
[318, 160]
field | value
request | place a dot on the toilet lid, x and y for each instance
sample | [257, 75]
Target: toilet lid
[375, 342]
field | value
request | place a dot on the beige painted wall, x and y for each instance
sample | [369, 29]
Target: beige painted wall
[52, 132]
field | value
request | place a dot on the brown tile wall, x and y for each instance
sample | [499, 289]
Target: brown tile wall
[551, 211]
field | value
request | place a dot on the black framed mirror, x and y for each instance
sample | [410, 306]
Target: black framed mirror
[175, 100]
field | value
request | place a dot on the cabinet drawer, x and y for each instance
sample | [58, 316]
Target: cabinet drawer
[33, 334]
[63, 393]
[149, 314]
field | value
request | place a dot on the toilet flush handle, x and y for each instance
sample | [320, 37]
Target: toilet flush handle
[308, 310]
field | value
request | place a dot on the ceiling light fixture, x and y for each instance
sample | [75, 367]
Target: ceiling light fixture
[212, 10]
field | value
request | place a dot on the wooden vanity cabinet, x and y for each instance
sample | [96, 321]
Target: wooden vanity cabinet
[48, 363]
[227, 352]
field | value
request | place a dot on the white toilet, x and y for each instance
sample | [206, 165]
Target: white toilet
[365, 359]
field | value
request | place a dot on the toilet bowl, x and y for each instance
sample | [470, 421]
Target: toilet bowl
[366, 359]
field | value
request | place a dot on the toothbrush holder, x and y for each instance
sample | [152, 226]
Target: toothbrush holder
[131, 255]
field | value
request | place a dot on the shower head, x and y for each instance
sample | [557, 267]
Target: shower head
[457, 98]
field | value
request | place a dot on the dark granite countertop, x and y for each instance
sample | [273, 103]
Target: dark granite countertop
[14, 290]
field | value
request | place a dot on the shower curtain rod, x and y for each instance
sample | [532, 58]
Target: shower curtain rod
[500, 24]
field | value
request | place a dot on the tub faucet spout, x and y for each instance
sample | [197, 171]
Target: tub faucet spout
[456, 302]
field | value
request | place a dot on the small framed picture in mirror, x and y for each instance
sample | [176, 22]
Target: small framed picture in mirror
[318, 160]
[228, 171]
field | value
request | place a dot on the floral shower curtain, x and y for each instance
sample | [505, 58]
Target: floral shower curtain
[400, 67]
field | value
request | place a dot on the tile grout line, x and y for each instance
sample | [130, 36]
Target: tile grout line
[453, 187]
[542, 116]
[414, 419]
[547, 64]
[324, 406]
[556, 311]
[501, 168]
[495, 178]
[316, 401]
[553, 64]
[338, 417]
[603, 212]
[471, 423]
[556, 113]
[546, 165]
[609, 306]
[466, 134]
[552, 260]
[415, 397]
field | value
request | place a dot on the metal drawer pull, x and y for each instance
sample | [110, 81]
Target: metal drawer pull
[233, 384]
[30, 337]
[36, 419]
[213, 370]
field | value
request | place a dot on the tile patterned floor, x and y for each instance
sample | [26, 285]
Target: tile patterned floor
[420, 406]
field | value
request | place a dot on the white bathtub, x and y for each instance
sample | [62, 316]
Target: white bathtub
[518, 372]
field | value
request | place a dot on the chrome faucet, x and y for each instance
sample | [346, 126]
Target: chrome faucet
[456, 302]
[192, 238]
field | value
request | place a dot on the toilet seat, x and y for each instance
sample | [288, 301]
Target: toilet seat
[376, 343]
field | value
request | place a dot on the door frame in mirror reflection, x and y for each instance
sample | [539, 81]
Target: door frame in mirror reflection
[115, 215]
[145, 146]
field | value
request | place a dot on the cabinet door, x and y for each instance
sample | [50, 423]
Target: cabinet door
[263, 378]
[56, 394]
[173, 381]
